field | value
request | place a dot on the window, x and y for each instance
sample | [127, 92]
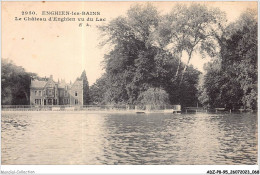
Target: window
[76, 94]
[35, 93]
[40, 93]
[65, 93]
[66, 101]
[38, 101]
[76, 101]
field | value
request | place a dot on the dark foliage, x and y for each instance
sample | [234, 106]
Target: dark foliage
[136, 64]
[231, 81]
[15, 89]
[86, 91]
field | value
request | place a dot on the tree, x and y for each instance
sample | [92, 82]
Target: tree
[231, 81]
[241, 53]
[135, 64]
[129, 65]
[155, 97]
[86, 92]
[98, 90]
[189, 29]
[15, 81]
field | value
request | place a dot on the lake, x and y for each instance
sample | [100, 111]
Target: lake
[79, 138]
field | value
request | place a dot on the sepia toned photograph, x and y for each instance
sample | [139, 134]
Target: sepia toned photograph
[129, 83]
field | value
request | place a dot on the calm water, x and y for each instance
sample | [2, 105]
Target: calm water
[80, 138]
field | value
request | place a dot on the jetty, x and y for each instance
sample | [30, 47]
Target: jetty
[194, 109]
[213, 110]
[143, 109]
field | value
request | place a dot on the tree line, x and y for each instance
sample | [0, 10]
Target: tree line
[146, 57]
[147, 47]
[144, 64]
[15, 84]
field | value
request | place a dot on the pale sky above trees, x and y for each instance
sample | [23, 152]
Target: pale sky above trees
[62, 48]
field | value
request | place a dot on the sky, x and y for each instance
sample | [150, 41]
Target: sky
[63, 49]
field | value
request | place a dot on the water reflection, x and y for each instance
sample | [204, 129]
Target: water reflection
[80, 138]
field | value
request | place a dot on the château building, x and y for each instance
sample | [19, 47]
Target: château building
[49, 92]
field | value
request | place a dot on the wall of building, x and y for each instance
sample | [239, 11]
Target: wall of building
[64, 97]
[76, 93]
[61, 96]
[36, 94]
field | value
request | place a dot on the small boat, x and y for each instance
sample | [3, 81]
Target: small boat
[176, 112]
[140, 112]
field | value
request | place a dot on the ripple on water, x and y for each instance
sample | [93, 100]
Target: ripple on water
[186, 139]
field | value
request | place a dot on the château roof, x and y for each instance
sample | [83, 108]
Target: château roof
[61, 85]
[38, 84]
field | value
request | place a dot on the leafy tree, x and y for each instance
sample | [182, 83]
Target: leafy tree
[136, 64]
[231, 81]
[212, 85]
[242, 54]
[98, 90]
[15, 81]
[188, 89]
[154, 97]
[189, 29]
[131, 62]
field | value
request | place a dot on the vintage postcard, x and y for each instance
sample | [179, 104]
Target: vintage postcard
[129, 83]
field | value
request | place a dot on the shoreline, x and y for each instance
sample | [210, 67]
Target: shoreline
[118, 112]
[88, 112]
